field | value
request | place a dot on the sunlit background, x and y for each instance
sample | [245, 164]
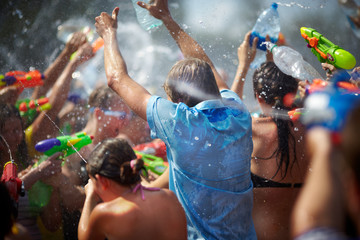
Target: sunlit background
[29, 30]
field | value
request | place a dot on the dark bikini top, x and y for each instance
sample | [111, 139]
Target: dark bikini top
[260, 182]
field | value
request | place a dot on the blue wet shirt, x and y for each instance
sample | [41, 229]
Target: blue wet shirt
[209, 151]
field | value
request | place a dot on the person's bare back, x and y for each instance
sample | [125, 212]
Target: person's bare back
[158, 216]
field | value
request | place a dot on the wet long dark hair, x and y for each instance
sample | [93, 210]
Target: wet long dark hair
[8, 111]
[272, 86]
[112, 159]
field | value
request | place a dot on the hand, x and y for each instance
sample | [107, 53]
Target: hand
[90, 191]
[302, 88]
[246, 54]
[157, 8]
[77, 40]
[105, 23]
[355, 76]
[84, 53]
[51, 166]
[329, 69]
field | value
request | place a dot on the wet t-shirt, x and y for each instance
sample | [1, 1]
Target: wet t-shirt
[209, 150]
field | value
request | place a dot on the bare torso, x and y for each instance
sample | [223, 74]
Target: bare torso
[273, 205]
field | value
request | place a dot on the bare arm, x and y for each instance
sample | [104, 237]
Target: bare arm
[43, 126]
[135, 96]
[245, 55]
[188, 46]
[87, 228]
[53, 72]
[162, 181]
[320, 203]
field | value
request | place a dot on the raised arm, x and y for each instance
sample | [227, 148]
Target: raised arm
[246, 55]
[43, 126]
[188, 46]
[135, 96]
[53, 72]
[321, 201]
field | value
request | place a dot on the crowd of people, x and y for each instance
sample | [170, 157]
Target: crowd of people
[230, 174]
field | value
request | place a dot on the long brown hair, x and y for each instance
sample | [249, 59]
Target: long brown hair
[272, 86]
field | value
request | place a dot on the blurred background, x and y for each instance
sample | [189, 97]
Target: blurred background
[30, 37]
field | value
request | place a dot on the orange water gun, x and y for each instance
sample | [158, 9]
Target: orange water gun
[22, 79]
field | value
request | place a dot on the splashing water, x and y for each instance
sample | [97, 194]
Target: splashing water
[11, 158]
[297, 4]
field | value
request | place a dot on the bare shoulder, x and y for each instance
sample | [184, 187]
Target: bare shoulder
[264, 127]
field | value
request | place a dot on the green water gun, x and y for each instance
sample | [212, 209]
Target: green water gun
[152, 163]
[30, 108]
[65, 144]
[327, 51]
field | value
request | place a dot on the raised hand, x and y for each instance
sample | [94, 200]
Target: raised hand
[105, 23]
[77, 40]
[157, 8]
[84, 53]
[246, 54]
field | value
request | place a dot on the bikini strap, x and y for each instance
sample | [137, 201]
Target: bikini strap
[141, 187]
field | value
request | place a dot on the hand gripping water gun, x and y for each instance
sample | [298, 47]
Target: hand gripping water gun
[11, 181]
[152, 163]
[65, 144]
[327, 51]
[21, 79]
[29, 108]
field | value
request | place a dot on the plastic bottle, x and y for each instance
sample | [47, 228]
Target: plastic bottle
[292, 62]
[144, 18]
[268, 23]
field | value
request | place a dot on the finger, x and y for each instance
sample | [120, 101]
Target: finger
[247, 37]
[115, 13]
[267, 38]
[143, 5]
[254, 45]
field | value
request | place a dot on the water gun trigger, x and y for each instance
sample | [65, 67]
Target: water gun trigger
[313, 43]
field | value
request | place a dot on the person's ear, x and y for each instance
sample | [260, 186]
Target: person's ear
[103, 181]
[99, 114]
[259, 99]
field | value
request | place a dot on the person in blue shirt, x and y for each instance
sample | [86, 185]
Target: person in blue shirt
[205, 126]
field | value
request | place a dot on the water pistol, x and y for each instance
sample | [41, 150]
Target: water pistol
[296, 113]
[327, 51]
[12, 182]
[152, 163]
[65, 144]
[157, 148]
[21, 79]
[29, 108]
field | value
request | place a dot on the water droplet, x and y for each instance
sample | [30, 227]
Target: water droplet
[296, 129]
[209, 164]
[201, 22]
[52, 172]
[196, 138]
